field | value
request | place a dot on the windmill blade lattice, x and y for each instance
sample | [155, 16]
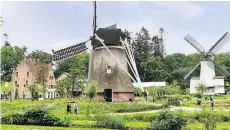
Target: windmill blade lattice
[219, 44]
[193, 69]
[194, 43]
[69, 52]
[221, 68]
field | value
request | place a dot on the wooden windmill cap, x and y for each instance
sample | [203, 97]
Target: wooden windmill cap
[111, 37]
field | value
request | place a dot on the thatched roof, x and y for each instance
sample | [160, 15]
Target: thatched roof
[110, 37]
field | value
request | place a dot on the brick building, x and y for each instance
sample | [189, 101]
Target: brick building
[25, 75]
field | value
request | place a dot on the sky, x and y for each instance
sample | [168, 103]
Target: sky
[54, 25]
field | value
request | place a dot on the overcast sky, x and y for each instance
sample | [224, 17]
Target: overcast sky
[53, 25]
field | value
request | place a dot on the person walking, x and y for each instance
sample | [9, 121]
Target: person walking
[76, 107]
[68, 108]
[212, 102]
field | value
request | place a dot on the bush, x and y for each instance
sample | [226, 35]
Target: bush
[138, 92]
[210, 119]
[167, 121]
[105, 121]
[13, 119]
[35, 117]
[198, 95]
[198, 101]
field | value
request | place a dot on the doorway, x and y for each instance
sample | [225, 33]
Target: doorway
[108, 94]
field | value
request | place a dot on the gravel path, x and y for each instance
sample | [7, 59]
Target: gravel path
[170, 109]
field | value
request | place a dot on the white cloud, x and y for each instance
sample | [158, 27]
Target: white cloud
[187, 10]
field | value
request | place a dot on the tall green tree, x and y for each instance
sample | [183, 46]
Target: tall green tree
[143, 48]
[154, 69]
[10, 57]
[42, 72]
[6, 88]
[40, 56]
[64, 87]
[77, 69]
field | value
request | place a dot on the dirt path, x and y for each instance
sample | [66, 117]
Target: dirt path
[170, 109]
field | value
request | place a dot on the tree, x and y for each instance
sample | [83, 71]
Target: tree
[6, 88]
[16, 94]
[210, 119]
[158, 47]
[154, 69]
[34, 91]
[201, 87]
[92, 89]
[175, 61]
[143, 48]
[77, 69]
[10, 57]
[42, 72]
[40, 56]
[63, 87]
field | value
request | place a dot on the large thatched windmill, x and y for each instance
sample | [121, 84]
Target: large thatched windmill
[110, 57]
[208, 77]
[108, 62]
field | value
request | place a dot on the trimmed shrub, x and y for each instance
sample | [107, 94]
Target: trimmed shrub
[167, 121]
[198, 95]
[210, 119]
[13, 119]
[35, 117]
[105, 121]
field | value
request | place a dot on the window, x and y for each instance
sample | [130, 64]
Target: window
[51, 86]
[24, 85]
[26, 81]
[51, 77]
[27, 74]
[16, 74]
[15, 82]
[109, 69]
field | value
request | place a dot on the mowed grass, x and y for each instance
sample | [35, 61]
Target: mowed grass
[199, 126]
[30, 127]
[133, 125]
[81, 121]
[58, 107]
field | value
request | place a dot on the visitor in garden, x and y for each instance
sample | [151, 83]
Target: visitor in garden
[75, 107]
[145, 96]
[68, 108]
[212, 102]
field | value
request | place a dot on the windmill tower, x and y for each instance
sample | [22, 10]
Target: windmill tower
[108, 62]
[208, 77]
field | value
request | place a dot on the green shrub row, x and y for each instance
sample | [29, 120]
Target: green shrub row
[35, 117]
[106, 121]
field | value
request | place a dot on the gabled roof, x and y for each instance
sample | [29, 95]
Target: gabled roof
[31, 64]
[197, 78]
[219, 77]
[216, 77]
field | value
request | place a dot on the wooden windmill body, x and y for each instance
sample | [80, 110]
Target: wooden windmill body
[114, 83]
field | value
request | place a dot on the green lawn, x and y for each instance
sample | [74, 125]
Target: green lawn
[133, 125]
[81, 121]
[30, 127]
[221, 126]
